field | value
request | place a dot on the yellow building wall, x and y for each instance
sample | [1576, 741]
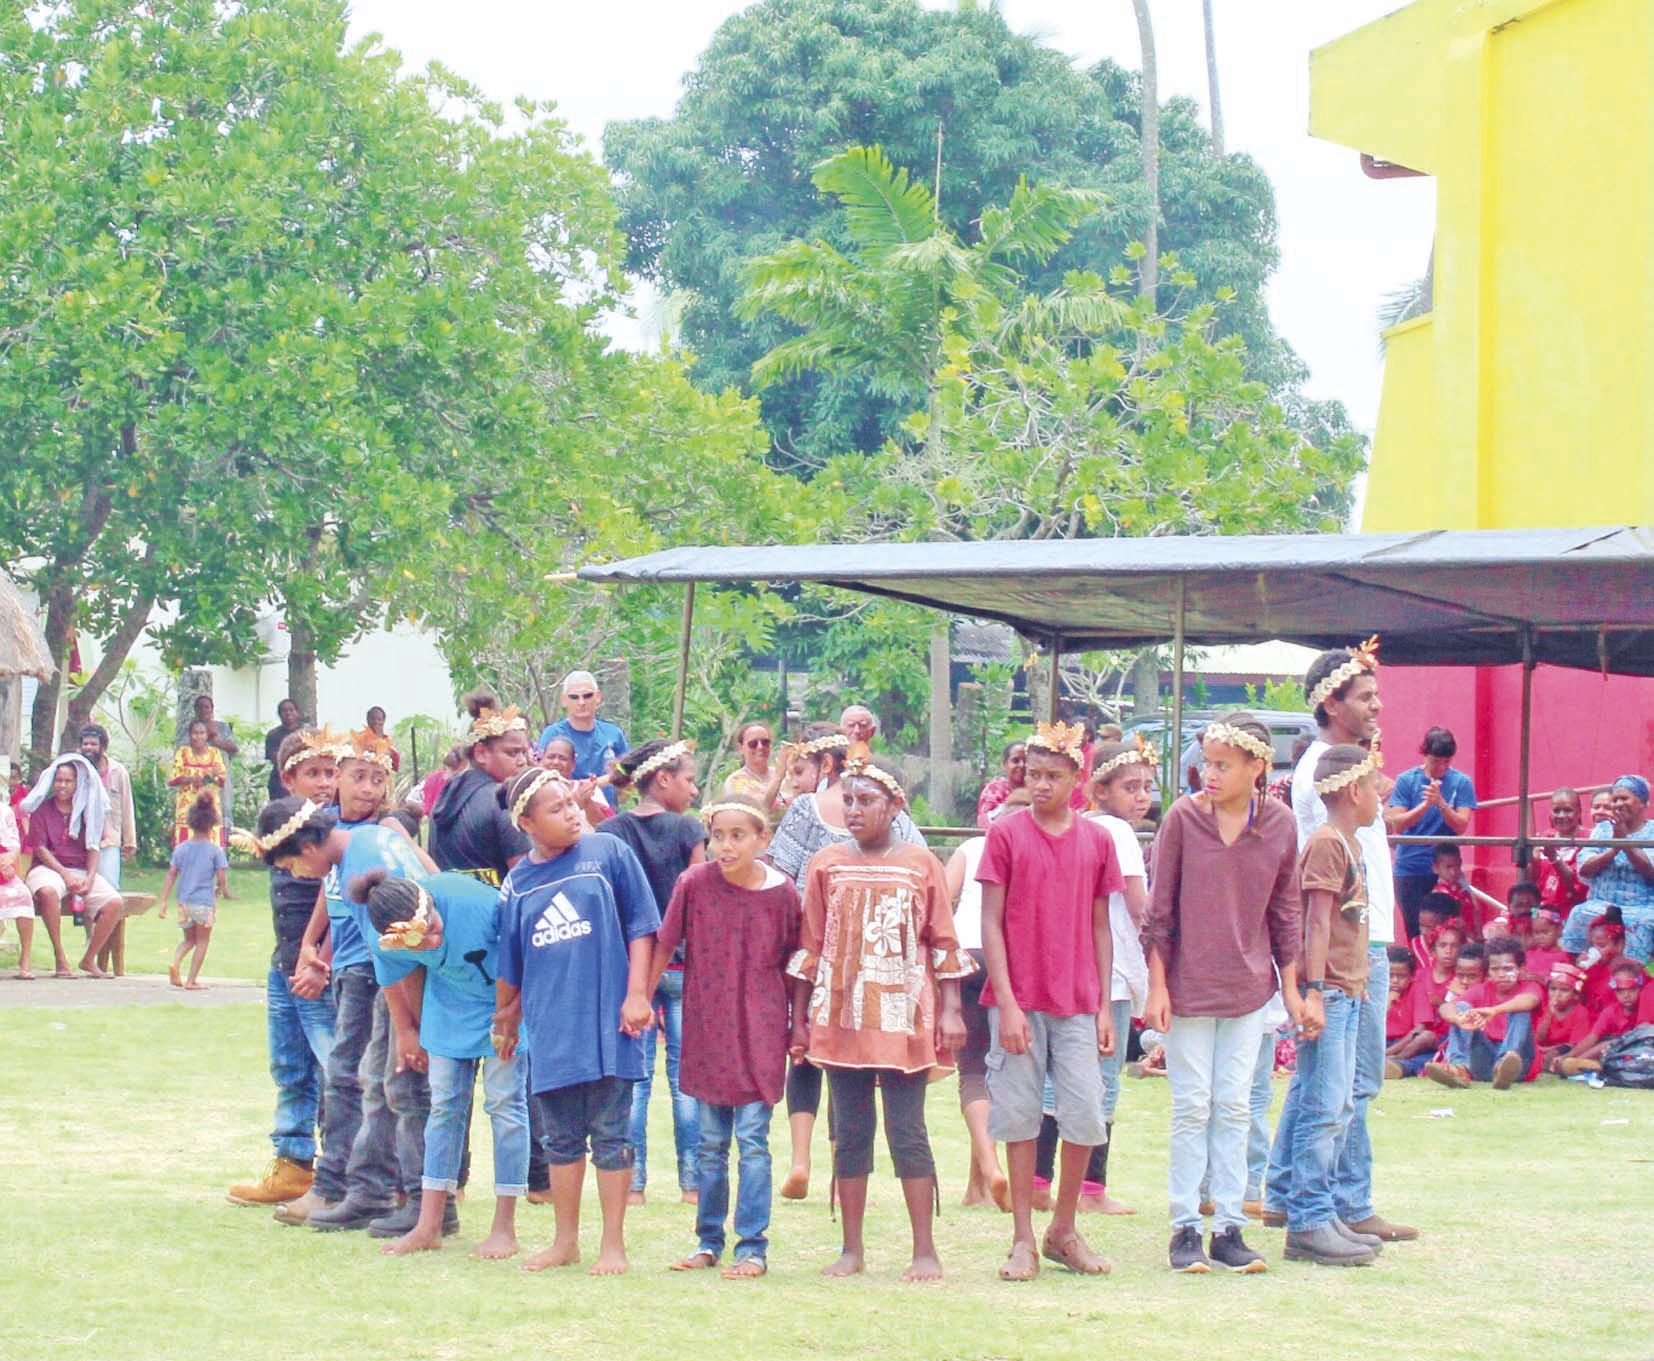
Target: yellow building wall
[1521, 399]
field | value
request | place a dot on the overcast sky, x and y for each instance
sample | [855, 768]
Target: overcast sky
[1345, 240]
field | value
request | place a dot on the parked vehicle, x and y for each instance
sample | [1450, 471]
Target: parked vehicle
[1285, 728]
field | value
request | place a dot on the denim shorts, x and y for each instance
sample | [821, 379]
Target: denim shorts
[599, 1111]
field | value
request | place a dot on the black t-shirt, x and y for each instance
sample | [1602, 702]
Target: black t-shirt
[663, 842]
[471, 833]
[291, 903]
[272, 744]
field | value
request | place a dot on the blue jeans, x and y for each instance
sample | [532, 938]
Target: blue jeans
[1352, 1180]
[504, 1097]
[1209, 1066]
[1109, 1065]
[1475, 1051]
[1317, 1110]
[300, 1034]
[668, 1000]
[353, 991]
[749, 1125]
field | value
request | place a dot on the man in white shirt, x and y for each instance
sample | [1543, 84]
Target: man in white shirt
[1342, 687]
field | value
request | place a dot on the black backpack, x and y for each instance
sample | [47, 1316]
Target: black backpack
[1629, 1060]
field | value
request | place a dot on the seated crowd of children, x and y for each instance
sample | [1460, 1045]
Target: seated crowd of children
[531, 951]
[1503, 1002]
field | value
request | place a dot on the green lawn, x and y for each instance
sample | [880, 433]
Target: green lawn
[122, 1126]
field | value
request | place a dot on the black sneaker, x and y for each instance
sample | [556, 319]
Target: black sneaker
[1229, 1251]
[1185, 1254]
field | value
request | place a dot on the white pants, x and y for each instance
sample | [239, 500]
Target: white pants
[1209, 1064]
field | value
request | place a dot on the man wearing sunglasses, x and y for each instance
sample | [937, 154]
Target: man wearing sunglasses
[598, 744]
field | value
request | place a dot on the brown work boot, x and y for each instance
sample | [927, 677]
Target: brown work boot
[285, 1181]
[298, 1212]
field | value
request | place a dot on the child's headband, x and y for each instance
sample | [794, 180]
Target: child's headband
[497, 723]
[1240, 740]
[254, 844]
[732, 806]
[410, 934]
[672, 751]
[367, 745]
[860, 765]
[317, 742]
[1143, 752]
[1374, 760]
[1066, 739]
[1569, 975]
[833, 741]
[542, 777]
[1362, 658]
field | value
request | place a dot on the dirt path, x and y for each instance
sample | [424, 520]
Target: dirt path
[132, 990]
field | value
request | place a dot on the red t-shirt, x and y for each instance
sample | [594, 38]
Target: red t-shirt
[1484, 995]
[1571, 1029]
[1428, 996]
[1598, 991]
[1613, 1020]
[1645, 1005]
[1398, 1017]
[49, 827]
[1540, 963]
[1554, 891]
[1050, 885]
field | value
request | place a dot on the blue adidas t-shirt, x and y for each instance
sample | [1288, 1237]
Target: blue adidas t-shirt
[458, 1008]
[371, 847]
[565, 925]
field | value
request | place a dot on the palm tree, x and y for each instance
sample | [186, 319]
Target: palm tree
[1148, 267]
[1212, 76]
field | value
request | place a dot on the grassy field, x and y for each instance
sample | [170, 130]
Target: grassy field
[122, 1125]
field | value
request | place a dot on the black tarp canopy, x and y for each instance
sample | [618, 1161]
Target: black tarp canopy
[1577, 597]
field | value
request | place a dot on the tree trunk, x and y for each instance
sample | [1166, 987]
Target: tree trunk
[1148, 268]
[301, 668]
[1213, 97]
[60, 623]
[116, 648]
[1145, 684]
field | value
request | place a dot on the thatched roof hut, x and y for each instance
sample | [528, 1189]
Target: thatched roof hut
[22, 647]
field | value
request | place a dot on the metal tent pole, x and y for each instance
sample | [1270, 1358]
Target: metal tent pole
[1056, 678]
[683, 659]
[1174, 735]
[1521, 848]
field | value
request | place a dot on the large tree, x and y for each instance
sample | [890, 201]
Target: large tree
[788, 83]
[272, 315]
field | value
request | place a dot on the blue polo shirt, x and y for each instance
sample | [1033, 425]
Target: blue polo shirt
[1457, 792]
[593, 750]
[566, 925]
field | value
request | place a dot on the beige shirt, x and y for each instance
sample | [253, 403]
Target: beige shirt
[120, 828]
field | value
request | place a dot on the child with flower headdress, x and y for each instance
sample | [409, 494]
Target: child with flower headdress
[1046, 877]
[1223, 919]
[876, 1003]
[666, 841]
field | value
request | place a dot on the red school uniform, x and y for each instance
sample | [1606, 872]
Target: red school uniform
[1428, 994]
[1570, 1030]
[1398, 1017]
[1460, 893]
[1540, 962]
[1598, 992]
[1486, 995]
[1645, 1006]
[1554, 891]
[1612, 1020]
[1051, 883]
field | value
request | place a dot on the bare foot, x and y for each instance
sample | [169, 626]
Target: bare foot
[539, 1197]
[976, 1195]
[690, 1197]
[610, 1262]
[26, 975]
[1042, 1199]
[195, 987]
[415, 1240]
[923, 1267]
[999, 1185]
[797, 1184]
[634, 1198]
[1111, 1206]
[747, 1269]
[848, 1264]
[174, 977]
[63, 971]
[558, 1254]
[89, 967]
[696, 1261]
[1090, 1204]
[497, 1247]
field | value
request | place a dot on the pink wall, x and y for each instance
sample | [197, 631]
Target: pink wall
[1587, 729]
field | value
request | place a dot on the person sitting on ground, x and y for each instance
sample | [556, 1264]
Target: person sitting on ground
[66, 809]
[1621, 878]
[1432, 799]
[1616, 1016]
[201, 874]
[1557, 871]
[1492, 1040]
[1006, 792]
[598, 743]
[1435, 911]
[1544, 953]
[1433, 983]
[1566, 1020]
[1409, 1043]
[1607, 948]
